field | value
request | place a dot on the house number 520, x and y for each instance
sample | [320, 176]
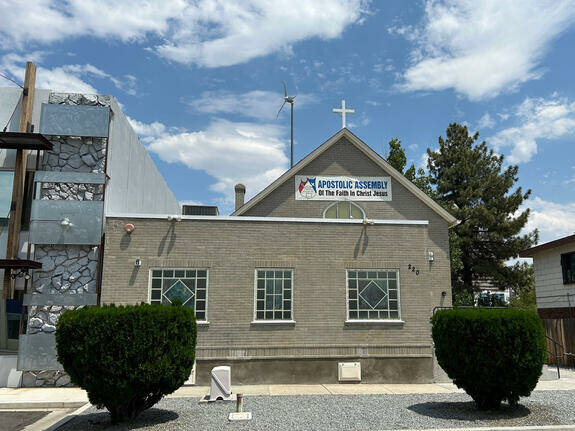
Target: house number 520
[413, 269]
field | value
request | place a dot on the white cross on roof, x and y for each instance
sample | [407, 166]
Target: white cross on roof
[343, 111]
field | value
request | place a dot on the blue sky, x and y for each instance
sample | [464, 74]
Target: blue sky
[201, 81]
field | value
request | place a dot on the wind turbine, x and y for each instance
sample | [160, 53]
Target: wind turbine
[288, 99]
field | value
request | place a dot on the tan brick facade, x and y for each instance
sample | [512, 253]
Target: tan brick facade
[319, 254]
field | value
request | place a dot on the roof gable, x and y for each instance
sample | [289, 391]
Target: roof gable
[367, 151]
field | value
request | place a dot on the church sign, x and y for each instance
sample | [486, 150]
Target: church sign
[335, 188]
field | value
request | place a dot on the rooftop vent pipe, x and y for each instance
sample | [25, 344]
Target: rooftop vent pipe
[240, 190]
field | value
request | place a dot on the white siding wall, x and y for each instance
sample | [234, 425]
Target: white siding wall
[135, 185]
[551, 292]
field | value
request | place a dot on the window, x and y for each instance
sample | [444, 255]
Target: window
[274, 294]
[187, 285]
[568, 267]
[344, 209]
[373, 294]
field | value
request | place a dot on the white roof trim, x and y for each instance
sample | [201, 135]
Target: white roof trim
[376, 158]
[267, 219]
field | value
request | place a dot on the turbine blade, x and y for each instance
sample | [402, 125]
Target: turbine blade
[285, 88]
[280, 109]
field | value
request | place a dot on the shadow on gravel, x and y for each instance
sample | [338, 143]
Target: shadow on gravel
[101, 421]
[467, 411]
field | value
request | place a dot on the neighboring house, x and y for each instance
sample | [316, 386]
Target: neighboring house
[554, 268]
[90, 163]
[341, 259]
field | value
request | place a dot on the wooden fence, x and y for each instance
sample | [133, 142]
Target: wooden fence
[562, 331]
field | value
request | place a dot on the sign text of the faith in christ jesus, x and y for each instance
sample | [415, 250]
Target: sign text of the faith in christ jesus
[343, 111]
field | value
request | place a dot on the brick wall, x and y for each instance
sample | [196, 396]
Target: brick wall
[319, 254]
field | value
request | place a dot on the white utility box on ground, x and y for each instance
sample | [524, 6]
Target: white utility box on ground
[221, 383]
[349, 371]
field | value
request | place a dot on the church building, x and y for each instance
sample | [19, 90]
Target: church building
[339, 260]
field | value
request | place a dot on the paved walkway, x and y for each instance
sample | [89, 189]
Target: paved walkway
[75, 397]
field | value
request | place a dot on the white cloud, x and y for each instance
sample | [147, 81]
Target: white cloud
[253, 154]
[208, 33]
[148, 132]
[53, 20]
[481, 48]
[485, 122]
[215, 33]
[67, 78]
[537, 118]
[258, 104]
[554, 220]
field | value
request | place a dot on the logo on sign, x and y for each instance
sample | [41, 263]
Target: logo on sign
[307, 188]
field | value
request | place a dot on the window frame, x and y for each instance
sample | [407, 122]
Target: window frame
[255, 319]
[199, 322]
[337, 210]
[565, 257]
[348, 319]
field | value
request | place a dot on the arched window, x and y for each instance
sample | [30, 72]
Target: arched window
[344, 209]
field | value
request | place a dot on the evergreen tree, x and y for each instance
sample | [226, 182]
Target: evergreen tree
[396, 156]
[470, 182]
[397, 159]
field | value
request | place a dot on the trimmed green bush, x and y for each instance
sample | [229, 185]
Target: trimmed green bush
[127, 358]
[493, 354]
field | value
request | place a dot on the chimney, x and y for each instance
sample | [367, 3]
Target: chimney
[240, 190]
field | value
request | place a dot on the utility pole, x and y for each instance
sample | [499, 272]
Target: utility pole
[19, 177]
[14, 225]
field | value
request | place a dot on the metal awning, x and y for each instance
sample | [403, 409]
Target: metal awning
[24, 141]
[19, 264]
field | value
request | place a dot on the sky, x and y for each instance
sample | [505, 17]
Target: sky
[201, 82]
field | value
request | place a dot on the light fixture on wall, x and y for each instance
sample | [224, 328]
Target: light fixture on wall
[23, 272]
[65, 223]
[430, 256]
[129, 228]
[138, 262]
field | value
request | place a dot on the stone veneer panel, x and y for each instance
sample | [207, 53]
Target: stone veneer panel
[66, 269]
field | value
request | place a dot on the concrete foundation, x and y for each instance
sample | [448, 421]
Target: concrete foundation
[317, 371]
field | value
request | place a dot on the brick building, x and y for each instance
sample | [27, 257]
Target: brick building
[341, 259]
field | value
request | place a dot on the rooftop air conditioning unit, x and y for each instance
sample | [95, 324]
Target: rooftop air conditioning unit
[221, 383]
[349, 371]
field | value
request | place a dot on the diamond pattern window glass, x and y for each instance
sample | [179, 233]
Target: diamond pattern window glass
[373, 294]
[273, 294]
[186, 285]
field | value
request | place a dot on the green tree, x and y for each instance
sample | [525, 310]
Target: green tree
[396, 158]
[471, 182]
[523, 287]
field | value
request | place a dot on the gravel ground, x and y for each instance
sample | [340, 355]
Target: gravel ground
[340, 412]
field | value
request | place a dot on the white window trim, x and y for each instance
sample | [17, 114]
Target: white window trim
[205, 322]
[351, 203]
[257, 321]
[399, 319]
